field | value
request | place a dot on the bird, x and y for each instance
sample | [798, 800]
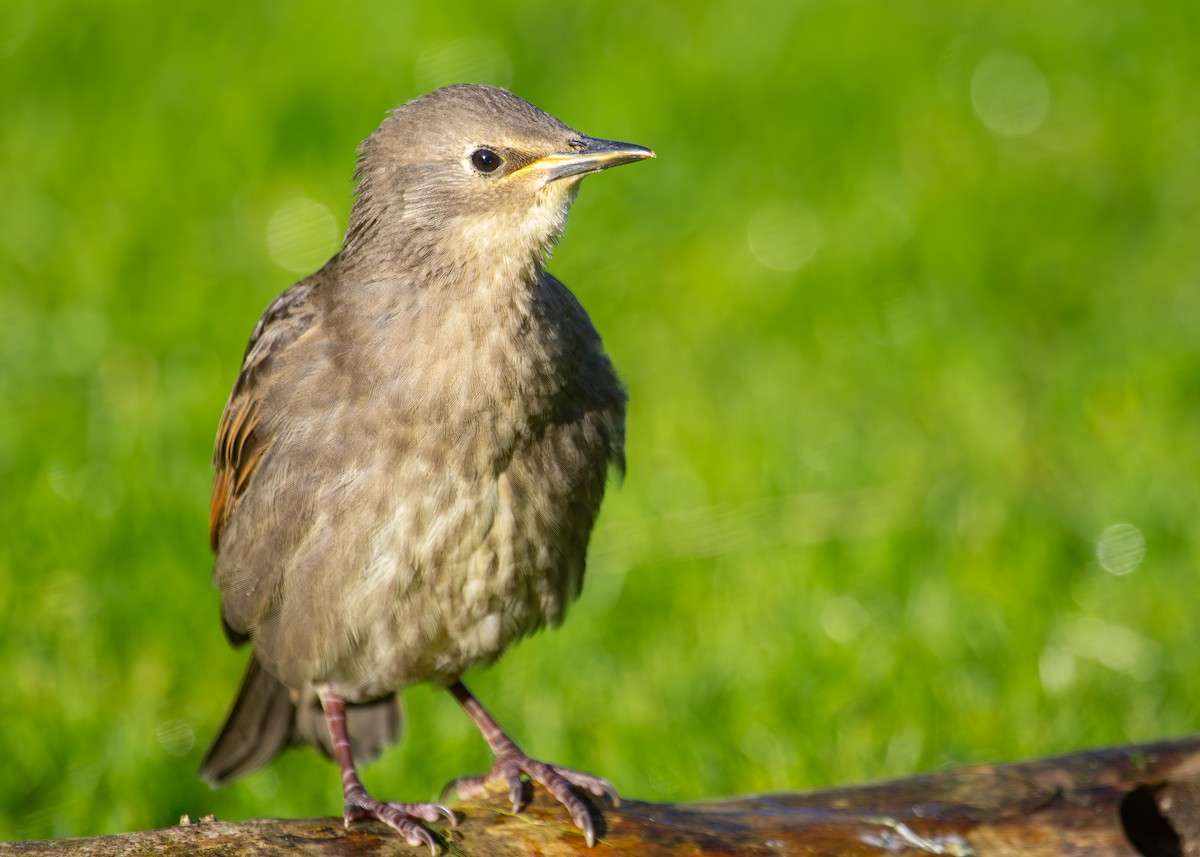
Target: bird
[411, 460]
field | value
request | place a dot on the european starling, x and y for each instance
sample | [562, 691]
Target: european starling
[413, 455]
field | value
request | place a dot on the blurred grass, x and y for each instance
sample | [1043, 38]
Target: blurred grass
[908, 307]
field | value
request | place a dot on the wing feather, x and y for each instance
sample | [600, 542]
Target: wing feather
[242, 440]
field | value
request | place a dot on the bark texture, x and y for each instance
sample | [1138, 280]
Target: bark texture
[1136, 800]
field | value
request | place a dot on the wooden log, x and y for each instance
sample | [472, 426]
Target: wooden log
[1136, 800]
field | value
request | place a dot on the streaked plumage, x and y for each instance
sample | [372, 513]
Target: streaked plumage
[414, 453]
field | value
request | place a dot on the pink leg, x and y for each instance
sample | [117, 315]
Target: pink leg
[405, 818]
[511, 762]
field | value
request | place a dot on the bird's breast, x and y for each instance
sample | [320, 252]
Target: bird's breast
[467, 563]
[448, 497]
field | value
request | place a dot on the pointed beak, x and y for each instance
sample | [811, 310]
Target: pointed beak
[587, 155]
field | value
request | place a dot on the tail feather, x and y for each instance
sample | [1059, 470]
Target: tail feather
[264, 721]
[258, 728]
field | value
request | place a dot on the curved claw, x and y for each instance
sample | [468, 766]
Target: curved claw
[516, 788]
[583, 821]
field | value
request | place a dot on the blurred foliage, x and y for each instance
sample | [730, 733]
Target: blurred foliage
[908, 307]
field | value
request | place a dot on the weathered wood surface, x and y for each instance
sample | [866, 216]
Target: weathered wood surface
[1142, 799]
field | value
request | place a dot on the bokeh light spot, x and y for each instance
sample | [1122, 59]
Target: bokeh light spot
[301, 235]
[783, 236]
[843, 619]
[1121, 548]
[1010, 95]
[176, 737]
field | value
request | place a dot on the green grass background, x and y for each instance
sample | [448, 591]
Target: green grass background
[908, 308]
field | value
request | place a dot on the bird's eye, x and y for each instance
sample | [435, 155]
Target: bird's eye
[486, 161]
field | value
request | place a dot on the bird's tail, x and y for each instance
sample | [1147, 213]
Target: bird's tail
[264, 721]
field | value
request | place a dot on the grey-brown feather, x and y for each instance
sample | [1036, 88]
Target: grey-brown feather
[433, 418]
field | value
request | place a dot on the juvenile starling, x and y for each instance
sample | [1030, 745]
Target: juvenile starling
[413, 455]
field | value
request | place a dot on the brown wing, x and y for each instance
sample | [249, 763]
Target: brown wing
[241, 438]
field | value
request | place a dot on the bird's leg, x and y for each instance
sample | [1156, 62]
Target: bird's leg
[405, 818]
[511, 762]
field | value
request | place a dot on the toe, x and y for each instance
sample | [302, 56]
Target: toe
[431, 812]
[415, 834]
[467, 788]
[562, 783]
[598, 786]
[404, 818]
[581, 816]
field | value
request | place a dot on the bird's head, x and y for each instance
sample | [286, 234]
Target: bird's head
[474, 172]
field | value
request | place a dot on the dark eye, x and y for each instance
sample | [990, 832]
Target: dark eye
[486, 161]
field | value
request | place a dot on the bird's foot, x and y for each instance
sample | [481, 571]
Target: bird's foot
[404, 818]
[560, 782]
